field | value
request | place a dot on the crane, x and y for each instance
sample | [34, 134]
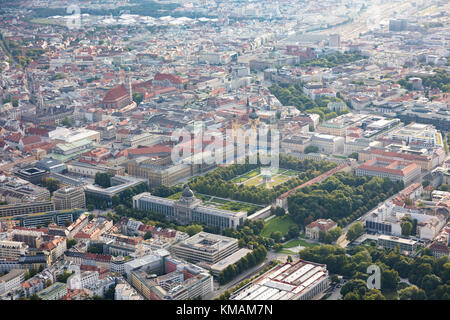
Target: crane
[10, 230]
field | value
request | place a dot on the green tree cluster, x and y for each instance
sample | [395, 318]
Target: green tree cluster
[440, 80]
[103, 179]
[250, 260]
[333, 60]
[51, 184]
[343, 197]
[330, 236]
[293, 96]
[248, 234]
[218, 182]
[355, 231]
[429, 275]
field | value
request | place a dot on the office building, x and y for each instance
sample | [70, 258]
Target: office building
[72, 150]
[205, 247]
[218, 267]
[162, 277]
[12, 250]
[31, 237]
[391, 242]
[34, 220]
[12, 281]
[55, 292]
[16, 190]
[64, 135]
[339, 126]
[118, 184]
[419, 135]
[387, 219]
[26, 208]
[328, 143]
[437, 116]
[33, 175]
[69, 198]
[51, 165]
[124, 291]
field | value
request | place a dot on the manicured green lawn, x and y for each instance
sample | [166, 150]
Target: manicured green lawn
[286, 251]
[299, 242]
[231, 205]
[239, 179]
[252, 173]
[237, 206]
[253, 182]
[175, 196]
[277, 224]
[217, 200]
[202, 197]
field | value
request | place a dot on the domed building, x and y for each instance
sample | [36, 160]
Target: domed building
[189, 209]
[187, 193]
[184, 206]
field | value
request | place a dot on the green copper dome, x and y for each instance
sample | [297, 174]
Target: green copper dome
[253, 115]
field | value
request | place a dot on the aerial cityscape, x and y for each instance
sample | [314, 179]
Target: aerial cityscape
[228, 150]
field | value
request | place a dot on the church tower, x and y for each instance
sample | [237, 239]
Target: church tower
[253, 119]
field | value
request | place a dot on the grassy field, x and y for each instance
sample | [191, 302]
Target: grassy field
[203, 197]
[254, 178]
[277, 224]
[287, 251]
[237, 206]
[55, 22]
[299, 242]
[175, 196]
[222, 201]
[239, 179]
[252, 173]
[229, 205]
[253, 182]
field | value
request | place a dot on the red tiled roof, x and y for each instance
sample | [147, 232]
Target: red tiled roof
[391, 168]
[14, 137]
[149, 150]
[38, 132]
[97, 257]
[322, 224]
[169, 77]
[439, 247]
[410, 157]
[115, 94]
[31, 140]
